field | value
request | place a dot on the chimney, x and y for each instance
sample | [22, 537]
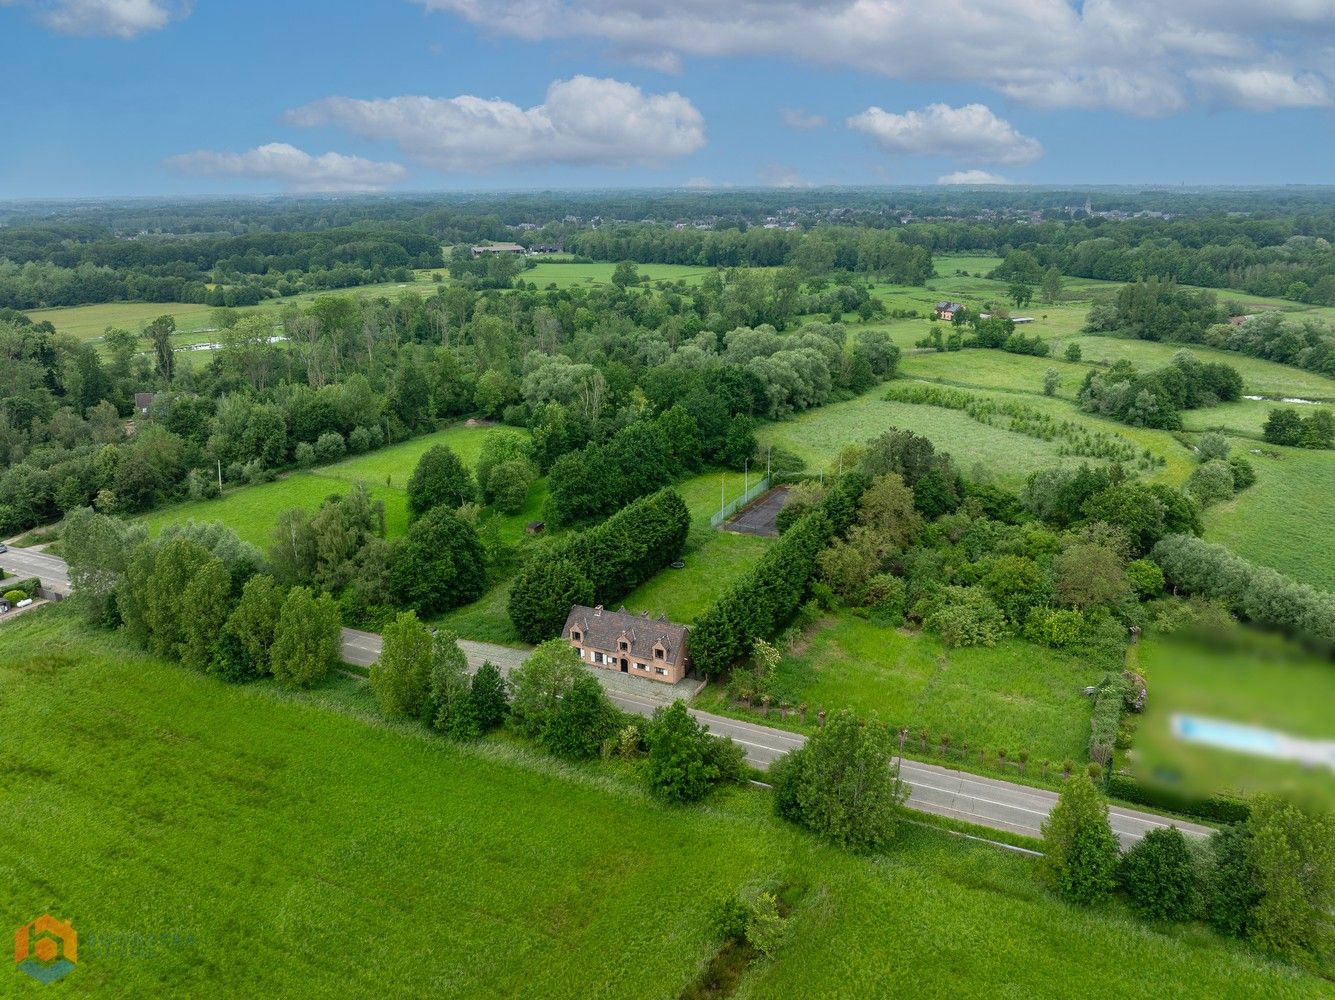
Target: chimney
[598, 611]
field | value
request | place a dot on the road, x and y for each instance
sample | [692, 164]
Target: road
[989, 802]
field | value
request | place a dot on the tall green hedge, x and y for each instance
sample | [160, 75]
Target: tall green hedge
[601, 565]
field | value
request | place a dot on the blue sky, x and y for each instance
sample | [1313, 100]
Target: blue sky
[137, 97]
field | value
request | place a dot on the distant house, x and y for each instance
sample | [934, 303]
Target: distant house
[515, 248]
[947, 310]
[547, 248]
[1239, 320]
[631, 644]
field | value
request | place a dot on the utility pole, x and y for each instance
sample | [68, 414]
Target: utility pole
[220, 476]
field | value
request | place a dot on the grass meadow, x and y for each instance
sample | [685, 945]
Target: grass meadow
[1263, 681]
[1284, 521]
[298, 846]
[252, 511]
[1013, 696]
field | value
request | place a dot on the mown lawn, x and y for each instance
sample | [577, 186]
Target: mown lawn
[570, 275]
[299, 847]
[1014, 696]
[1263, 682]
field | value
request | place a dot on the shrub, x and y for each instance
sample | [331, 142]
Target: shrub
[885, 598]
[966, 616]
[1078, 843]
[401, 677]
[1060, 628]
[683, 762]
[305, 455]
[1160, 876]
[1244, 473]
[330, 446]
[490, 700]
[14, 596]
[1212, 446]
[540, 683]
[1211, 482]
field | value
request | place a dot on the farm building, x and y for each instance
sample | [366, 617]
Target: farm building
[947, 310]
[632, 644]
[515, 248]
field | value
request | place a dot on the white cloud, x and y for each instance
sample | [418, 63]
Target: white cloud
[803, 121]
[1137, 56]
[113, 18]
[971, 177]
[1258, 88]
[293, 168]
[582, 121]
[971, 132]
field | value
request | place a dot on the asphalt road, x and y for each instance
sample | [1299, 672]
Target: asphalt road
[989, 802]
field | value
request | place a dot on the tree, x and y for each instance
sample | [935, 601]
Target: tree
[253, 623]
[1052, 285]
[542, 596]
[1231, 884]
[1284, 427]
[843, 783]
[307, 639]
[439, 564]
[507, 486]
[1020, 293]
[626, 273]
[540, 683]
[401, 677]
[1212, 446]
[1078, 843]
[440, 479]
[1052, 379]
[1293, 856]
[1073, 352]
[98, 548]
[450, 708]
[490, 699]
[206, 600]
[174, 566]
[581, 720]
[1210, 482]
[681, 768]
[1160, 876]
[1087, 575]
[160, 333]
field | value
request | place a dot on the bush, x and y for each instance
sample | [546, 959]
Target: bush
[305, 455]
[966, 616]
[330, 446]
[1244, 473]
[1211, 482]
[14, 596]
[1160, 876]
[885, 598]
[401, 677]
[1212, 447]
[583, 718]
[440, 479]
[1078, 843]
[684, 763]
[598, 566]
[1145, 577]
[1060, 628]
[507, 485]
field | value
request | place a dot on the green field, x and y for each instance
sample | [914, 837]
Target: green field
[252, 511]
[1013, 696]
[299, 847]
[818, 435]
[1266, 682]
[570, 275]
[1284, 521]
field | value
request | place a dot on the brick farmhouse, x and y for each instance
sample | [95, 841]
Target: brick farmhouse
[632, 644]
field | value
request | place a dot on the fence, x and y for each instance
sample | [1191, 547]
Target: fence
[733, 506]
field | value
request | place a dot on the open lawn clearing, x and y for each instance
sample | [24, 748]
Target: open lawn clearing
[1259, 377]
[993, 370]
[1267, 683]
[713, 563]
[252, 511]
[1284, 521]
[285, 838]
[818, 435]
[1245, 418]
[1013, 696]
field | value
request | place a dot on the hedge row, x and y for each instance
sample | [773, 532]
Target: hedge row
[600, 565]
[759, 603]
[1213, 808]
[1258, 593]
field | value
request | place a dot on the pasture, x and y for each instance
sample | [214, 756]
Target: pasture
[1013, 696]
[1256, 680]
[570, 275]
[297, 845]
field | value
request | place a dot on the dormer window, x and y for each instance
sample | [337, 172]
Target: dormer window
[576, 635]
[660, 653]
[623, 645]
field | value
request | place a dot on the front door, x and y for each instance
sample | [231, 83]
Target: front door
[625, 666]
